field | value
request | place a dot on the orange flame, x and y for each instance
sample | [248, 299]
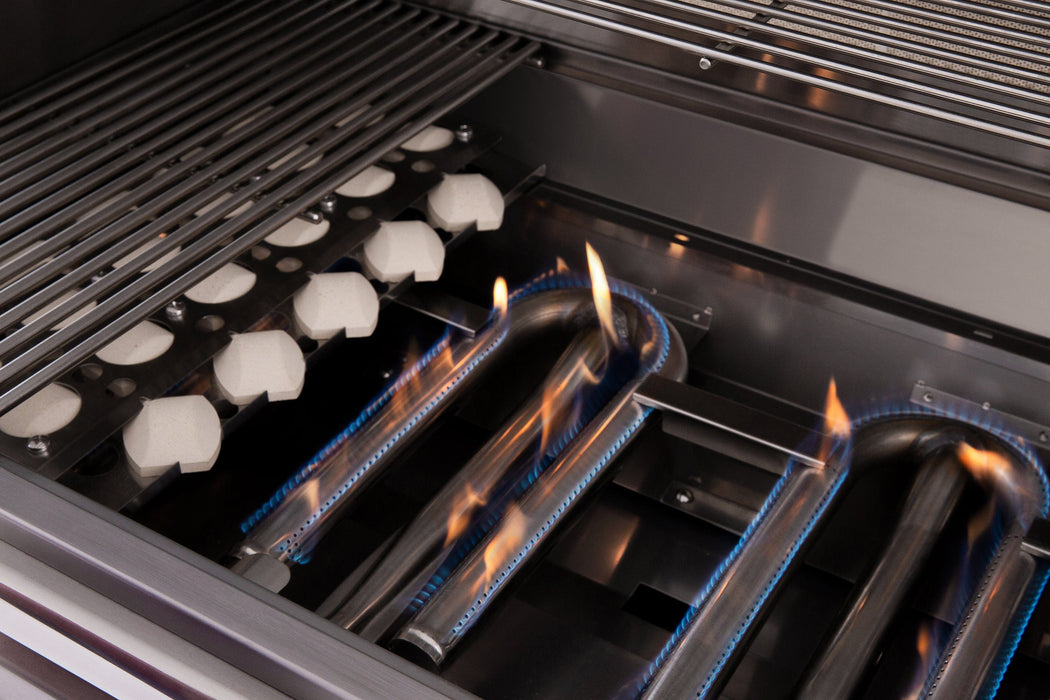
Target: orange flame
[836, 420]
[504, 545]
[312, 494]
[925, 647]
[837, 424]
[602, 297]
[985, 466]
[404, 394]
[459, 516]
[499, 296]
[554, 411]
[560, 266]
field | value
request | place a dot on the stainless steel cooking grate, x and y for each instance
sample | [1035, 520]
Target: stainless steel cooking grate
[981, 65]
[186, 151]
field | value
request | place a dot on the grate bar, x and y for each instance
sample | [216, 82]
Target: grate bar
[833, 27]
[400, 51]
[131, 93]
[890, 60]
[350, 110]
[65, 91]
[967, 23]
[182, 85]
[189, 133]
[827, 64]
[894, 24]
[827, 73]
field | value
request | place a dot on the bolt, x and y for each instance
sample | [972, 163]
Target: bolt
[986, 405]
[464, 133]
[312, 215]
[328, 203]
[705, 63]
[696, 316]
[928, 397]
[39, 445]
[683, 496]
[1043, 437]
[652, 290]
[175, 310]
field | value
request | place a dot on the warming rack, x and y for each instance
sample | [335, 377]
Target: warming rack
[981, 65]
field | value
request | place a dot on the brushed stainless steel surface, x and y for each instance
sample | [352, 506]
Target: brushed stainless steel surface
[460, 601]
[930, 502]
[772, 434]
[407, 93]
[974, 649]
[198, 600]
[96, 638]
[855, 217]
[692, 664]
[418, 551]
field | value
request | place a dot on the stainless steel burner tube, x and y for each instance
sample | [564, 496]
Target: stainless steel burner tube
[458, 603]
[418, 551]
[694, 661]
[969, 663]
[930, 502]
[286, 529]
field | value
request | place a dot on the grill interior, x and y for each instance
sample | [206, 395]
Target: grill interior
[269, 106]
[675, 501]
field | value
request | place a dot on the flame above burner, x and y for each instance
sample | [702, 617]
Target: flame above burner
[499, 296]
[986, 466]
[836, 420]
[925, 646]
[504, 544]
[602, 297]
[837, 424]
[459, 516]
[560, 266]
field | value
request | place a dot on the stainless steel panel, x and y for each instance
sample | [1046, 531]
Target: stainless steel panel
[240, 623]
[935, 241]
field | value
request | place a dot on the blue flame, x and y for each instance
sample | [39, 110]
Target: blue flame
[723, 568]
[545, 282]
[487, 591]
[867, 415]
[595, 400]
[1013, 637]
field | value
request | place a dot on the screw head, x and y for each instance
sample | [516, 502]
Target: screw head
[1043, 437]
[175, 310]
[928, 397]
[683, 496]
[705, 63]
[39, 445]
[327, 203]
[696, 316]
[986, 405]
[464, 133]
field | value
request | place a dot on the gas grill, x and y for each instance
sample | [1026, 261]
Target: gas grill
[522, 348]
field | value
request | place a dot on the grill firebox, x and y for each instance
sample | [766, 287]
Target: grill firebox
[754, 409]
